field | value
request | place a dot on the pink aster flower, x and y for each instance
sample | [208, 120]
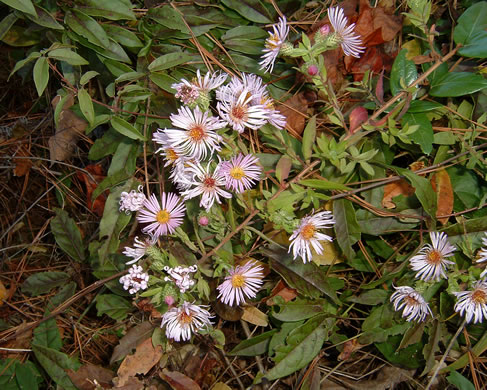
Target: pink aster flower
[273, 44]
[198, 139]
[181, 322]
[207, 184]
[242, 282]
[350, 42]
[241, 172]
[415, 308]
[473, 304]
[307, 235]
[162, 219]
[431, 261]
[171, 153]
[186, 91]
[139, 249]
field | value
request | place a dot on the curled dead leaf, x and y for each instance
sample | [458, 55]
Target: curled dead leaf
[255, 316]
[358, 116]
[85, 377]
[295, 110]
[179, 381]
[441, 184]
[391, 190]
[22, 161]
[282, 290]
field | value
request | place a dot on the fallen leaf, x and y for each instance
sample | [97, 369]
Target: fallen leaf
[349, 348]
[220, 386]
[226, 312]
[129, 342]
[441, 184]
[255, 316]
[295, 110]
[144, 358]
[379, 88]
[3, 293]
[22, 165]
[179, 381]
[391, 190]
[329, 256]
[85, 377]
[282, 290]
[358, 116]
[131, 384]
[91, 182]
[22, 341]
[68, 130]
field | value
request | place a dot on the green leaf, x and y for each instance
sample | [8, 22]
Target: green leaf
[307, 278]
[430, 349]
[63, 295]
[168, 61]
[423, 106]
[403, 73]
[105, 145]
[300, 309]
[163, 81]
[87, 27]
[458, 380]
[27, 376]
[31, 57]
[45, 19]
[470, 31]
[43, 282]
[254, 346]
[7, 374]
[309, 136]
[87, 77]
[125, 128]
[302, 346]
[280, 337]
[113, 9]
[6, 23]
[67, 55]
[409, 357]
[424, 136]
[324, 185]
[346, 227]
[423, 190]
[251, 10]
[457, 84]
[22, 5]
[47, 335]
[114, 51]
[41, 74]
[86, 105]
[113, 306]
[241, 32]
[371, 297]
[55, 363]
[123, 36]
[67, 235]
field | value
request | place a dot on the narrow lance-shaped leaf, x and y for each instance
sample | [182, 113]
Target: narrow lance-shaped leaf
[64, 54]
[309, 136]
[22, 5]
[86, 105]
[346, 227]
[67, 235]
[41, 74]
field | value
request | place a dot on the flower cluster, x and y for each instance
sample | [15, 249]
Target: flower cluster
[132, 201]
[181, 277]
[135, 280]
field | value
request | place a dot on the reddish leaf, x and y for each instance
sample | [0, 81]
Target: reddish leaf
[391, 190]
[22, 164]
[441, 183]
[294, 109]
[288, 294]
[179, 381]
[379, 88]
[91, 182]
[84, 378]
[358, 116]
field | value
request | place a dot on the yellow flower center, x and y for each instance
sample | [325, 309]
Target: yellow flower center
[238, 281]
[171, 154]
[237, 173]
[479, 297]
[434, 257]
[410, 301]
[185, 318]
[197, 133]
[308, 231]
[272, 42]
[163, 217]
[239, 113]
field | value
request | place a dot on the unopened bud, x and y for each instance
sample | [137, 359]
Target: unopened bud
[203, 221]
[169, 299]
[325, 29]
[312, 70]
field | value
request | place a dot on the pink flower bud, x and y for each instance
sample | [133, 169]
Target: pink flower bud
[169, 299]
[203, 221]
[312, 70]
[325, 29]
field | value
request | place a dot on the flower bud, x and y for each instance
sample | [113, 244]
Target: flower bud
[203, 220]
[312, 70]
[325, 29]
[169, 299]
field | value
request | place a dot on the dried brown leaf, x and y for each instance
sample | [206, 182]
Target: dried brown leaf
[349, 348]
[391, 190]
[22, 164]
[255, 316]
[441, 184]
[294, 109]
[179, 381]
[84, 378]
[287, 293]
[358, 116]
[145, 357]
[69, 129]
[128, 342]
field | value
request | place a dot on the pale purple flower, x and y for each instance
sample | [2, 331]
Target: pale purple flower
[207, 184]
[139, 249]
[162, 219]
[415, 308]
[181, 277]
[237, 109]
[482, 255]
[210, 81]
[198, 139]
[431, 261]
[307, 236]
[187, 92]
[181, 322]
[273, 44]
[131, 201]
[350, 42]
[241, 172]
[135, 280]
[242, 282]
[473, 304]
[172, 154]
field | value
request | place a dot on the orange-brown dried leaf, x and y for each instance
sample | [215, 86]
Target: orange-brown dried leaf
[144, 358]
[349, 348]
[179, 381]
[358, 116]
[281, 290]
[441, 184]
[295, 110]
[3, 293]
[22, 164]
[391, 190]
[377, 25]
[91, 182]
